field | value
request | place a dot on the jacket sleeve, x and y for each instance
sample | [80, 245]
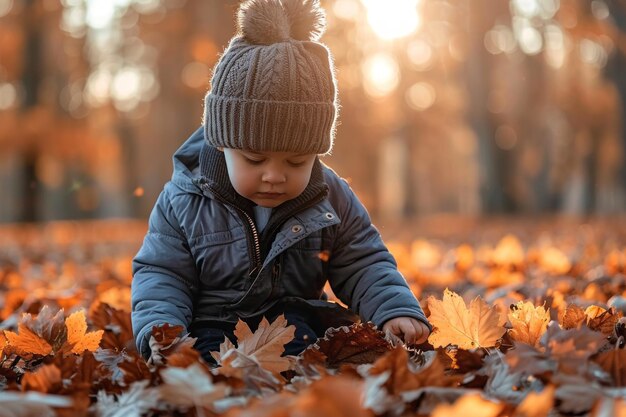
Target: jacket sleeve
[164, 276]
[362, 272]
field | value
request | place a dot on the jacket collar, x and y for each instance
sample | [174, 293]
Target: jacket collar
[214, 172]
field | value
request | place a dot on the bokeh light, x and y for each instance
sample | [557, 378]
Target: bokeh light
[381, 74]
[421, 96]
[392, 19]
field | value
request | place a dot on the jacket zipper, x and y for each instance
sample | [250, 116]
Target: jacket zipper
[255, 250]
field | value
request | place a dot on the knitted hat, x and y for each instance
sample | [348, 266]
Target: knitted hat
[274, 89]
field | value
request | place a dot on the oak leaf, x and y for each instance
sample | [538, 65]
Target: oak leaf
[529, 322]
[77, 335]
[455, 324]
[25, 340]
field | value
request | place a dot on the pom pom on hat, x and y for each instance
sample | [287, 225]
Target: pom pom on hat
[264, 22]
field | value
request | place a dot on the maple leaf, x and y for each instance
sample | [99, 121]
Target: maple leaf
[3, 343]
[529, 322]
[48, 326]
[347, 345]
[455, 324]
[264, 346]
[602, 320]
[77, 336]
[471, 405]
[26, 341]
[191, 387]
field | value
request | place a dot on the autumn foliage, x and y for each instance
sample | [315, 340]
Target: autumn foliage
[521, 328]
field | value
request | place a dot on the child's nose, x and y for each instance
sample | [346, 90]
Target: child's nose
[274, 176]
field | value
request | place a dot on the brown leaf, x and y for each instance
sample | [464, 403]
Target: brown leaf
[191, 387]
[602, 320]
[455, 324]
[166, 340]
[31, 404]
[77, 335]
[571, 348]
[575, 394]
[471, 405]
[267, 343]
[527, 359]
[573, 317]
[407, 375]
[48, 326]
[354, 345]
[45, 379]
[27, 341]
[614, 363]
[529, 322]
[117, 326]
[264, 347]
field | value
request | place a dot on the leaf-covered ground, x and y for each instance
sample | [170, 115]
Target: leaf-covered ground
[528, 323]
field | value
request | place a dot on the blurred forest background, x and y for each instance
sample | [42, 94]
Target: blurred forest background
[468, 107]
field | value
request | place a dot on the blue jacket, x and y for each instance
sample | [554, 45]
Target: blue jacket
[203, 259]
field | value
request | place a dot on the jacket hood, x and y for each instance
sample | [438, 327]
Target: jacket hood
[186, 163]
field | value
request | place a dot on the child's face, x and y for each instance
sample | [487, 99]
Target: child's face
[268, 178]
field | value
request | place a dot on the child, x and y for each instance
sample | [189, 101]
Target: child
[252, 224]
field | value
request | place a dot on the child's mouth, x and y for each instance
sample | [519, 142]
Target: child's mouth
[270, 195]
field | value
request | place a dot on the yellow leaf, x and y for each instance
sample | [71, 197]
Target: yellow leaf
[529, 322]
[77, 335]
[480, 326]
[26, 340]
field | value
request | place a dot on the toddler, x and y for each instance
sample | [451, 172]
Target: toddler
[252, 224]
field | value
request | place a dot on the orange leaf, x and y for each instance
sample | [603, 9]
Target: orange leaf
[77, 335]
[455, 324]
[44, 379]
[470, 405]
[27, 341]
[529, 322]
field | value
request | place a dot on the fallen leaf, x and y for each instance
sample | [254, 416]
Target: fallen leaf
[536, 404]
[529, 322]
[572, 347]
[354, 345]
[471, 405]
[77, 335]
[43, 379]
[602, 320]
[508, 252]
[576, 394]
[191, 387]
[267, 343]
[573, 317]
[133, 403]
[31, 404]
[27, 341]
[48, 325]
[166, 340]
[117, 326]
[455, 324]
[614, 363]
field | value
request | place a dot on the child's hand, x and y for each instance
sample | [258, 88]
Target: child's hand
[412, 331]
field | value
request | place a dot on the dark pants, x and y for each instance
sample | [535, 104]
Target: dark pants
[211, 334]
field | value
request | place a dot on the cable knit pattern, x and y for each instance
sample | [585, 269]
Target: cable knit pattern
[271, 92]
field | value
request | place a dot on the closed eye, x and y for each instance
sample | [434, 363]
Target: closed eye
[254, 161]
[296, 164]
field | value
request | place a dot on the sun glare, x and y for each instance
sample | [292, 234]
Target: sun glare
[392, 19]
